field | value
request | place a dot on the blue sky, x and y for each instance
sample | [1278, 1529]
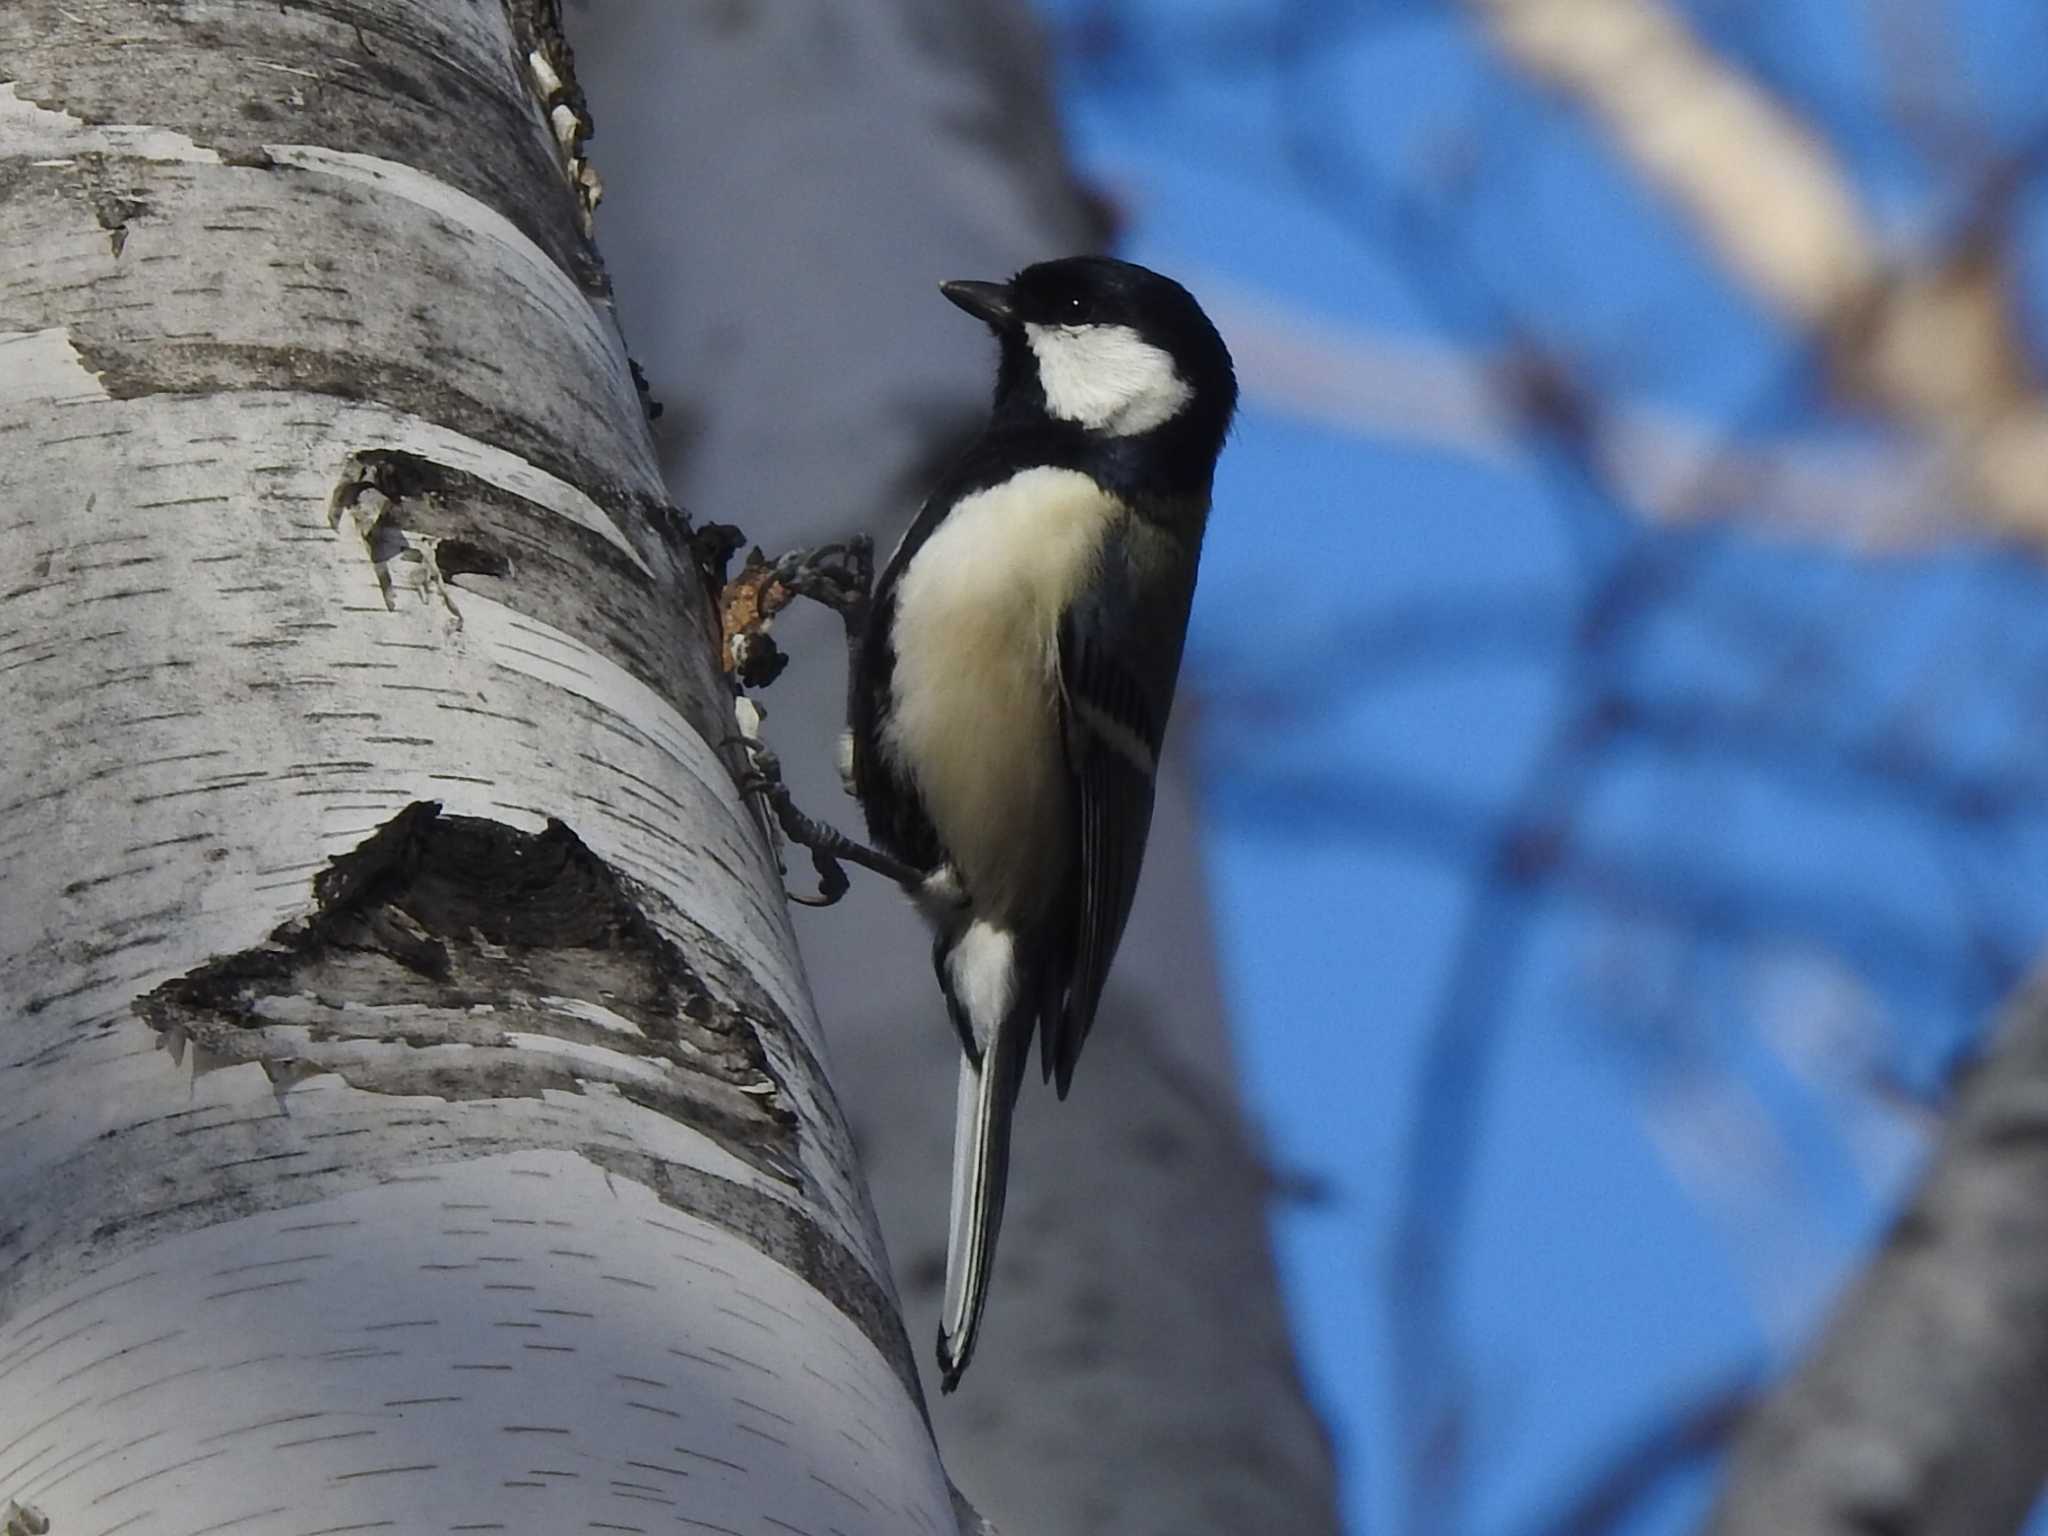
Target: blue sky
[1601, 1138]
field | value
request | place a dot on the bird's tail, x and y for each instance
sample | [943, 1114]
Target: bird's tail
[981, 1171]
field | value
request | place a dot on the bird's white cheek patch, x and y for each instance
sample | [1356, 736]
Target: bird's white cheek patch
[1106, 377]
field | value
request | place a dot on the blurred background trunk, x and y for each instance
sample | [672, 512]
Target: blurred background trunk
[786, 186]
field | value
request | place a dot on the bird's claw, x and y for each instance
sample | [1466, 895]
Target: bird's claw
[832, 881]
[763, 778]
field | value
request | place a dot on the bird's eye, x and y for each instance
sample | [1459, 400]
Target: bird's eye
[1074, 309]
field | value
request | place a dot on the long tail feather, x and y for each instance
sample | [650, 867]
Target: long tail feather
[987, 1097]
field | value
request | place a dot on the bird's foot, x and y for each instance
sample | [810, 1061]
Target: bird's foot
[841, 576]
[828, 845]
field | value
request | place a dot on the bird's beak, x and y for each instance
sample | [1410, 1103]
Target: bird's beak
[988, 302]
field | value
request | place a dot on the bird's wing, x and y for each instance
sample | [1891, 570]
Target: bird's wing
[1120, 646]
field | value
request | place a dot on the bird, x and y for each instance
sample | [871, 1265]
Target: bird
[1010, 692]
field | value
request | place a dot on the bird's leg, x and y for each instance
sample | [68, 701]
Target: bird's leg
[839, 576]
[842, 578]
[828, 845]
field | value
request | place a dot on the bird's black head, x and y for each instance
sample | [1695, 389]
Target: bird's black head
[1111, 350]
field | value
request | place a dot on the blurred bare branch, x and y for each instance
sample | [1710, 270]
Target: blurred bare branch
[1530, 847]
[1669, 466]
[1424, 241]
[1930, 343]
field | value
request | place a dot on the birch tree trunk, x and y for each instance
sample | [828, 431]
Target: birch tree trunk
[410, 1105]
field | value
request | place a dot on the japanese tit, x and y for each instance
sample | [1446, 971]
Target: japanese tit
[1014, 681]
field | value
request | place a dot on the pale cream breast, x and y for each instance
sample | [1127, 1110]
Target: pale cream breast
[975, 712]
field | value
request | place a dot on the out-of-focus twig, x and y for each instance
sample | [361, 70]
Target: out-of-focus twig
[1524, 853]
[1701, 1427]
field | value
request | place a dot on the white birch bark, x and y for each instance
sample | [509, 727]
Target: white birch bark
[410, 1106]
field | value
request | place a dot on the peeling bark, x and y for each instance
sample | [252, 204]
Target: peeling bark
[411, 1109]
[466, 959]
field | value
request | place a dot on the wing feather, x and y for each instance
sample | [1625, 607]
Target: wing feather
[1116, 686]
